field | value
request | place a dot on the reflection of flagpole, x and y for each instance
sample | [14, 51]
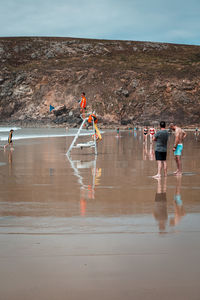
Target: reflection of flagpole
[94, 172]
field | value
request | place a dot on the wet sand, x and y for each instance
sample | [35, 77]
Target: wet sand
[101, 228]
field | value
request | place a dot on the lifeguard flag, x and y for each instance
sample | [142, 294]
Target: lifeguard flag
[51, 108]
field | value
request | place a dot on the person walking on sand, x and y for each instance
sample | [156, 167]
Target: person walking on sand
[10, 142]
[178, 146]
[161, 138]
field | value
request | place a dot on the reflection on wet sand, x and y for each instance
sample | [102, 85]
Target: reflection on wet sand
[9, 157]
[83, 228]
[148, 154]
[87, 185]
[179, 211]
[160, 205]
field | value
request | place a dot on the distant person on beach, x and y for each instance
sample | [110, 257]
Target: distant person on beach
[83, 103]
[93, 118]
[10, 142]
[152, 133]
[145, 133]
[178, 146]
[161, 138]
[117, 132]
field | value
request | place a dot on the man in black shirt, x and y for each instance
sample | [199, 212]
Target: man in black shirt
[161, 138]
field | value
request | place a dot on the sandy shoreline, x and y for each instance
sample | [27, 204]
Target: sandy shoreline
[90, 266]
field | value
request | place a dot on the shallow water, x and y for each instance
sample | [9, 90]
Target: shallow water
[106, 205]
[39, 180]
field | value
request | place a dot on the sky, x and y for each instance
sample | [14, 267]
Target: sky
[168, 21]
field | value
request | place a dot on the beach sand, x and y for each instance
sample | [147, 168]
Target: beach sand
[86, 228]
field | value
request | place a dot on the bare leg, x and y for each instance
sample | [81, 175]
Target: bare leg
[165, 185]
[6, 146]
[158, 175]
[11, 146]
[165, 168]
[179, 165]
[176, 165]
[159, 187]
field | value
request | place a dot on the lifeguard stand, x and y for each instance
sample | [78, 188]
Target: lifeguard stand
[90, 144]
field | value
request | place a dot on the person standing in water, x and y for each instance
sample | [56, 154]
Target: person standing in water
[161, 138]
[152, 133]
[145, 134]
[178, 147]
[10, 142]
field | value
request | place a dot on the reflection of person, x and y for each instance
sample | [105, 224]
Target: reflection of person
[145, 152]
[83, 203]
[151, 153]
[179, 211]
[161, 138]
[89, 190]
[10, 142]
[10, 153]
[160, 205]
[178, 146]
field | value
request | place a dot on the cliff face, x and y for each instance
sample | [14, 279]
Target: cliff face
[126, 83]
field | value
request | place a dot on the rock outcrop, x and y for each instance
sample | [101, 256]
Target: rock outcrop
[126, 83]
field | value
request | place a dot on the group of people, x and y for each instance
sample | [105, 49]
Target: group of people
[161, 139]
[151, 132]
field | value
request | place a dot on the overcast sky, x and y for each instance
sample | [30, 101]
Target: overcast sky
[171, 21]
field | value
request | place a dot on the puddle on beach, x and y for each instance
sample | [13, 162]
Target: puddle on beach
[44, 191]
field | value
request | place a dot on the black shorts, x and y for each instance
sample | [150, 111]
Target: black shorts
[160, 155]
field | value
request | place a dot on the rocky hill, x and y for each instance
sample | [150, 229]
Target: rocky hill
[126, 83]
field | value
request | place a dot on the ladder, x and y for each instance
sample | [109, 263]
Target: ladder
[90, 144]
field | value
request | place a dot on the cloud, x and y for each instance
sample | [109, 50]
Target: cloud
[153, 20]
